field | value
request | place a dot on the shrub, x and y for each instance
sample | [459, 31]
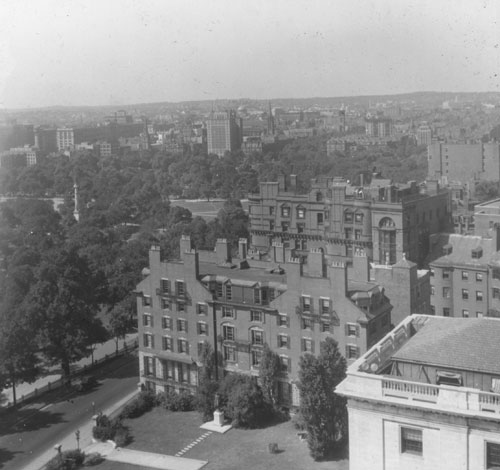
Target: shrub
[144, 402]
[173, 401]
[122, 436]
[106, 429]
[68, 460]
[95, 458]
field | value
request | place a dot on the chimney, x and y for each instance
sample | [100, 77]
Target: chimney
[278, 252]
[191, 263]
[293, 270]
[223, 251]
[293, 182]
[338, 278]
[315, 262]
[154, 259]
[281, 183]
[496, 237]
[361, 265]
[185, 245]
[242, 248]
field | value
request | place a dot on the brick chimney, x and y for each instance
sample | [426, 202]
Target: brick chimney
[278, 252]
[338, 278]
[361, 265]
[185, 245]
[242, 248]
[315, 262]
[223, 251]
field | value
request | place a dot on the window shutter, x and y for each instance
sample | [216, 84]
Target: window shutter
[312, 346]
[357, 331]
[289, 339]
[346, 352]
[357, 351]
[198, 328]
[346, 329]
[278, 339]
[178, 325]
[278, 319]
[288, 321]
[179, 347]
[187, 347]
[186, 325]
[152, 321]
[152, 341]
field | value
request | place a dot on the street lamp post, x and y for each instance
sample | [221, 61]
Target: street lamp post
[93, 408]
[77, 435]
[58, 447]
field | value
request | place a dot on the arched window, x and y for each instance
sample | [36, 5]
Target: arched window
[348, 216]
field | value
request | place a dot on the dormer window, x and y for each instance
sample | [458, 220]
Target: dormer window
[285, 211]
[477, 253]
[348, 217]
[301, 212]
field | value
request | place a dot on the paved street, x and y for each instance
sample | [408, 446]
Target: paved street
[33, 430]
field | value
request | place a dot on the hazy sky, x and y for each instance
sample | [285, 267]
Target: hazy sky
[87, 52]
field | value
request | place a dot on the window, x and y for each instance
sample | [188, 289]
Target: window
[256, 316]
[181, 306]
[256, 358]
[348, 233]
[306, 303]
[271, 225]
[352, 351]
[496, 293]
[228, 332]
[183, 373]
[307, 345]
[446, 273]
[285, 226]
[256, 296]
[202, 309]
[324, 306]
[348, 217]
[479, 295]
[183, 346]
[433, 290]
[166, 323]
[307, 324]
[271, 210]
[285, 211]
[352, 329]
[479, 314]
[495, 273]
[357, 234]
[283, 318]
[229, 292]
[465, 313]
[301, 213]
[149, 365]
[227, 312]
[146, 301]
[182, 325]
[319, 218]
[431, 272]
[285, 363]
[229, 353]
[257, 337]
[165, 286]
[433, 310]
[149, 340]
[446, 292]
[202, 328]
[166, 343]
[492, 455]
[448, 378]
[465, 294]
[147, 320]
[218, 289]
[446, 312]
[411, 441]
[179, 288]
[283, 341]
[165, 304]
[300, 228]
[479, 277]
[465, 275]
[358, 217]
[326, 327]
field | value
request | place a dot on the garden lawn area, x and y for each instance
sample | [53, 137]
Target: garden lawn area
[167, 432]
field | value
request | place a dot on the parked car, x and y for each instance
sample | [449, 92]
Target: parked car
[84, 383]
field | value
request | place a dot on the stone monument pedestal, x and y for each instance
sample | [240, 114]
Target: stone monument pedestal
[217, 425]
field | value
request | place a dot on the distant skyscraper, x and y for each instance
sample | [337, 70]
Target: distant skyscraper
[65, 139]
[223, 132]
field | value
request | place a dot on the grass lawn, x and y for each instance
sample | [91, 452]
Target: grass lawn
[168, 433]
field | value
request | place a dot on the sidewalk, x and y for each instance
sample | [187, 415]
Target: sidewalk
[40, 385]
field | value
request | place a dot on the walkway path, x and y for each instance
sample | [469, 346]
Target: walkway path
[145, 459]
[190, 446]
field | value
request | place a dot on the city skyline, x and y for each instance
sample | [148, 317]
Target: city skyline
[126, 52]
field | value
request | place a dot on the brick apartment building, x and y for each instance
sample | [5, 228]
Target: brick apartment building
[465, 280]
[238, 305]
[427, 397]
[383, 219]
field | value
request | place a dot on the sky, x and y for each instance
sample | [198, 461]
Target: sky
[113, 52]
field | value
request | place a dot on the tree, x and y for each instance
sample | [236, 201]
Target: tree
[121, 319]
[207, 385]
[63, 305]
[243, 401]
[323, 411]
[270, 369]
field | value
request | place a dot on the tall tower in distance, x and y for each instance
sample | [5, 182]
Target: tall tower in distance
[223, 132]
